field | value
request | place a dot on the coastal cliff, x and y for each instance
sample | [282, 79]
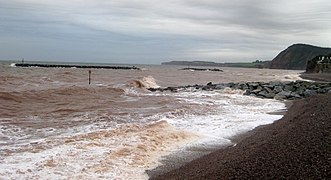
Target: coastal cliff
[296, 56]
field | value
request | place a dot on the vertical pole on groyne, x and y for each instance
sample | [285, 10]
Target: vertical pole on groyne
[89, 76]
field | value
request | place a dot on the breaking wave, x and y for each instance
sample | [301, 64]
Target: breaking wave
[111, 154]
[292, 77]
[53, 125]
[145, 82]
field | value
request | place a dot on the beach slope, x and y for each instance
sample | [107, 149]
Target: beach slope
[296, 147]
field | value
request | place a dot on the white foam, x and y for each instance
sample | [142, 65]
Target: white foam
[292, 77]
[232, 114]
[124, 151]
[144, 82]
[222, 113]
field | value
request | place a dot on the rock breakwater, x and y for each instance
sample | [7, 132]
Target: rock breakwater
[202, 69]
[273, 90]
[77, 66]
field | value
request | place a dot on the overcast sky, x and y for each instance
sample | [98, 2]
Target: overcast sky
[150, 31]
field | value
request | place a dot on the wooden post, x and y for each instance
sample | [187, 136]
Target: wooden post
[89, 76]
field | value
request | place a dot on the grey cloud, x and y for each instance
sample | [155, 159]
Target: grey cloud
[268, 15]
[132, 30]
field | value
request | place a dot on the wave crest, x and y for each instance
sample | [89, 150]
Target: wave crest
[145, 82]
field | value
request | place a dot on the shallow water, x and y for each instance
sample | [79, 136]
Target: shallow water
[54, 125]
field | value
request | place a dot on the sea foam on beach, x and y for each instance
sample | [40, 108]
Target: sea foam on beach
[56, 126]
[127, 150]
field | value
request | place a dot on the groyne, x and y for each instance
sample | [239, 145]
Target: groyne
[76, 66]
[273, 90]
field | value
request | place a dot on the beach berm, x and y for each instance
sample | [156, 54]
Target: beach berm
[298, 146]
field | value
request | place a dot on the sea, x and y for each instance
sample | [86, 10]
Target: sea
[55, 125]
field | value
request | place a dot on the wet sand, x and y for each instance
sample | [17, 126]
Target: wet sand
[323, 77]
[298, 146]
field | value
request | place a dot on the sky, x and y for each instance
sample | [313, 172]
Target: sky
[151, 32]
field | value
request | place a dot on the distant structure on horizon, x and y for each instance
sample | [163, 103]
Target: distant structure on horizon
[319, 64]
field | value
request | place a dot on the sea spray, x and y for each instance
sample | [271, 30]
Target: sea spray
[144, 82]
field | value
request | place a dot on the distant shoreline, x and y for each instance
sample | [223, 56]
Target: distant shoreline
[255, 64]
